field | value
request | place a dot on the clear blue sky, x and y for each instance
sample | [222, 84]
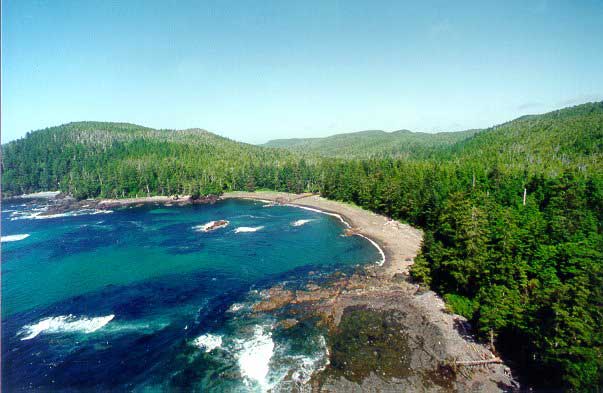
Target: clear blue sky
[258, 70]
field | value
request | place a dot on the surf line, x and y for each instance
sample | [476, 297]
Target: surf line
[374, 243]
[347, 224]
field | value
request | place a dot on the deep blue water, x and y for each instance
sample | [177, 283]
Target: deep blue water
[141, 300]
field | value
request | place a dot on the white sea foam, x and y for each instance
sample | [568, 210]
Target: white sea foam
[236, 307]
[299, 223]
[254, 354]
[338, 216]
[374, 243]
[39, 216]
[246, 216]
[209, 226]
[380, 262]
[14, 238]
[309, 365]
[306, 366]
[290, 367]
[65, 324]
[21, 215]
[247, 229]
[208, 342]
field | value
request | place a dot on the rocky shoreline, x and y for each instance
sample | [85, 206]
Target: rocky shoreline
[385, 332]
[59, 203]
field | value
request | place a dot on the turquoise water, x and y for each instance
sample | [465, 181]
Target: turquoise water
[142, 299]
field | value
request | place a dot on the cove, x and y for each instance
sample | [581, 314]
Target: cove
[107, 289]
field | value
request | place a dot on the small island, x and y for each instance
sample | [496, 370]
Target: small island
[211, 226]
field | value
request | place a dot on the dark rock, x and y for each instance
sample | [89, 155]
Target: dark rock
[288, 323]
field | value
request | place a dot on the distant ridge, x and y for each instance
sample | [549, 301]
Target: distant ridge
[121, 159]
[373, 143]
[548, 132]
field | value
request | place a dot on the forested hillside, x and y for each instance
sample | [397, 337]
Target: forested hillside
[374, 144]
[90, 159]
[571, 137]
[529, 273]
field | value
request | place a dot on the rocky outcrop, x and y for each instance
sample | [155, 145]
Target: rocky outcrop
[172, 200]
[203, 200]
[276, 298]
[386, 330]
[288, 323]
[216, 225]
[392, 335]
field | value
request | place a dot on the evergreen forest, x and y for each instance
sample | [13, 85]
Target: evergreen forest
[512, 214]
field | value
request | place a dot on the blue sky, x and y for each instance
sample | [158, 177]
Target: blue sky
[258, 70]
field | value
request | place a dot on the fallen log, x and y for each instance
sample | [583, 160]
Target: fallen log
[477, 362]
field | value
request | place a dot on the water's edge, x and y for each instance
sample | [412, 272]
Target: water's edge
[382, 286]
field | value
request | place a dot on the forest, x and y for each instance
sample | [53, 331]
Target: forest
[374, 144]
[512, 214]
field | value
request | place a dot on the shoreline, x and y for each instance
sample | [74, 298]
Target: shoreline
[357, 220]
[439, 340]
[61, 203]
[397, 243]
[174, 199]
[345, 222]
[382, 289]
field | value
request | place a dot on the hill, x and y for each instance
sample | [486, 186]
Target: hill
[120, 159]
[89, 159]
[373, 144]
[552, 141]
[570, 136]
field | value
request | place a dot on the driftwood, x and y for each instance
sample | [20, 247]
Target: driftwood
[464, 367]
[470, 363]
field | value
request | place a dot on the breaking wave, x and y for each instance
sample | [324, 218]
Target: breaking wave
[247, 229]
[308, 365]
[347, 224]
[64, 324]
[236, 307]
[208, 342]
[311, 209]
[299, 223]
[140, 327]
[14, 238]
[268, 366]
[38, 215]
[253, 356]
[374, 243]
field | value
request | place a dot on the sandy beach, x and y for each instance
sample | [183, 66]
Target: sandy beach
[399, 242]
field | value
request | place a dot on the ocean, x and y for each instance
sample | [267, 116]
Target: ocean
[148, 299]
